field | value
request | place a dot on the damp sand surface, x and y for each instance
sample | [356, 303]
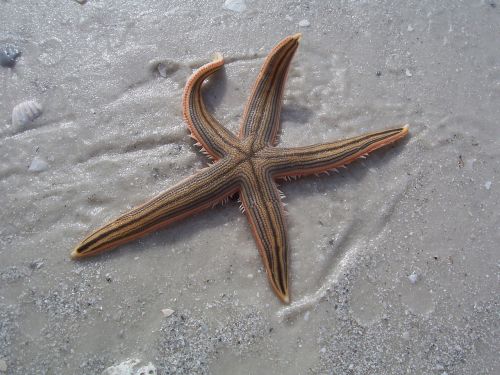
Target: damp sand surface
[394, 260]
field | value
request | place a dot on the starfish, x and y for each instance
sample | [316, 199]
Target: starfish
[247, 164]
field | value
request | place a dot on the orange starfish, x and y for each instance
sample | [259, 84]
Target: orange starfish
[246, 164]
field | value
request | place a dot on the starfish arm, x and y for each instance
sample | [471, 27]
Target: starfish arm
[299, 161]
[194, 194]
[214, 139]
[261, 118]
[262, 205]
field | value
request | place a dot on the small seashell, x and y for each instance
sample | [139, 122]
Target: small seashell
[8, 56]
[25, 113]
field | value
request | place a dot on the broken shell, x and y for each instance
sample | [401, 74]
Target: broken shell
[25, 113]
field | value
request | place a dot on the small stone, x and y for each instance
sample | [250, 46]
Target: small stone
[235, 5]
[487, 185]
[250, 276]
[8, 56]
[413, 278]
[38, 165]
[167, 312]
[406, 335]
[322, 350]
[410, 28]
[3, 366]
[408, 73]
[304, 23]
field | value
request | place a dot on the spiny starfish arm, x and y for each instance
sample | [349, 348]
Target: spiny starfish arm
[264, 210]
[192, 195]
[215, 139]
[299, 161]
[261, 118]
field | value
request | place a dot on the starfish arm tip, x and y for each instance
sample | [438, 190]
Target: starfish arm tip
[217, 57]
[75, 255]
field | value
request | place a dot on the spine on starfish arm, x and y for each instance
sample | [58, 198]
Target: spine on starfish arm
[314, 159]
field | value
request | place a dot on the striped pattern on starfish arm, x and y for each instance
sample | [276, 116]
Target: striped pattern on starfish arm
[247, 164]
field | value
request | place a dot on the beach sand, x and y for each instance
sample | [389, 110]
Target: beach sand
[394, 260]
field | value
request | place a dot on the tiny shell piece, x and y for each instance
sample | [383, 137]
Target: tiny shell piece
[167, 312]
[38, 165]
[149, 369]
[25, 113]
[235, 5]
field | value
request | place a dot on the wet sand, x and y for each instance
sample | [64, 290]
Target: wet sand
[394, 260]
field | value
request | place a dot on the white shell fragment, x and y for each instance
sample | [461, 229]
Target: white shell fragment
[130, 367]
[38, 165]
[304, 23]
[149, 369]
[25, 113]
[235, 5]
[167, 312]
[413, 278]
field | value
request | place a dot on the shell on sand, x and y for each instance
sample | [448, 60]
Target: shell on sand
[24, 113]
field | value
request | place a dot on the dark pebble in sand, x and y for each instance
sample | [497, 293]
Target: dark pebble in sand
[8, 56]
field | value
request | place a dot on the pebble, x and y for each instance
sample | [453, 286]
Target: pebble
[235, 5]
[38, 165]
[304, 23]
[306, 316]
[410, 28]
[8, 56]
[408, 73]
[167, 312]
[487, 185]
[3, 366]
